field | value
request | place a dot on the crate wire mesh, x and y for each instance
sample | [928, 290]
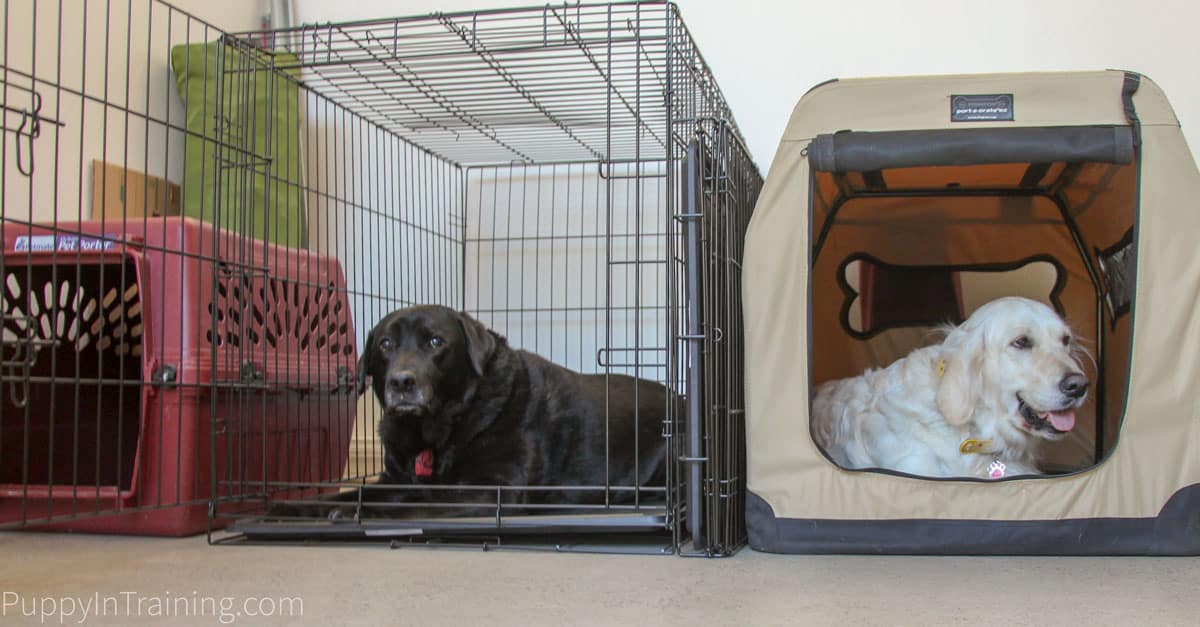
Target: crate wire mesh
[570, 175]
[143, 358]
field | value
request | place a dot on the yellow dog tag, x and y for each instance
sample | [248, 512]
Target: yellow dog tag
[971, 445]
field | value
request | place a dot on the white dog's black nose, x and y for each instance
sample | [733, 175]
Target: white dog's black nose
[1074, 385]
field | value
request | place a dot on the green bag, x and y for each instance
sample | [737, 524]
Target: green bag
[260, 125]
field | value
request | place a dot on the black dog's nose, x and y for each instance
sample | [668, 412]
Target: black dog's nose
[1073, 385]
[402, 381]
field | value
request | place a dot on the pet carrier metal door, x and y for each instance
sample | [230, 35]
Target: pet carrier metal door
[69, 453]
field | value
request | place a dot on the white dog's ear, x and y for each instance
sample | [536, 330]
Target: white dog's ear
[958, 367]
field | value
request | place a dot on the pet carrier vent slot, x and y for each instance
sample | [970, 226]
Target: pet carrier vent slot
[275, 312]
[66, 309]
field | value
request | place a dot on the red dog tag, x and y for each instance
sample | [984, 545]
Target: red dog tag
[423, 466]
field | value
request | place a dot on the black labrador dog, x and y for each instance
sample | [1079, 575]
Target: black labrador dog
[461, 407]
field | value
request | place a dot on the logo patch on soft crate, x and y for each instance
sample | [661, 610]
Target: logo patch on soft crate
[44, 243]
[981, 108]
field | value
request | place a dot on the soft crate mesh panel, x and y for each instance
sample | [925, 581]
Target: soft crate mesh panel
[1117, 266]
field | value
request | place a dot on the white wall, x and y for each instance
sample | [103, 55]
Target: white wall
[767, 53]
[572, 267]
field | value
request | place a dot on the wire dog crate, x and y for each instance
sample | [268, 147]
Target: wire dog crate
[569, 175]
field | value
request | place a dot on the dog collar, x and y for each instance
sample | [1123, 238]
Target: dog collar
[997, 469]
[971, 446]
[423, 466]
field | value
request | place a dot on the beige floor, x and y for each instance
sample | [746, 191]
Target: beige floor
[417, 586]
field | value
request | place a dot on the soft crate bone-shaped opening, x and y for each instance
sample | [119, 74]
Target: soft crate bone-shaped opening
[81, 322]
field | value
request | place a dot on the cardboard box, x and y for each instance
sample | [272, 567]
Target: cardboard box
[118, 192]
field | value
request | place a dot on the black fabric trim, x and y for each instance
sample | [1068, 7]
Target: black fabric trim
[857, 151]
[1133, 307]
[819, 85]
[1128, 89]
[1174, 531]
[1034, 174]
[1060, 283]
[830, 217]
[873, 179]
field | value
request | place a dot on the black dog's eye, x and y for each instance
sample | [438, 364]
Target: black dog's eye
[1023, 343]
[386, 344]
[435, 342]
[1066, 340]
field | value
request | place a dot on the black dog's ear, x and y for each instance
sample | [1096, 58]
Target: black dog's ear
[481, 342]
[364, 361]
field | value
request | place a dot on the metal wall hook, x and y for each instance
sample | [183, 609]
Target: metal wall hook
[21, 167]
[29, 129]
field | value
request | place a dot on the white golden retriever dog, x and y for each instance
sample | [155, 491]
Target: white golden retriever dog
[977, 405]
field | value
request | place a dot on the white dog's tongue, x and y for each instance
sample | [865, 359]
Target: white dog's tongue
[1062, 420]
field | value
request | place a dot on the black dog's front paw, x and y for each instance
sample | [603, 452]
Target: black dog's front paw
[295, 511]
[345, 513]
[335, 508]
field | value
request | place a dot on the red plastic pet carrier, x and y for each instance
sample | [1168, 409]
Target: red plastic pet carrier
[147, 364]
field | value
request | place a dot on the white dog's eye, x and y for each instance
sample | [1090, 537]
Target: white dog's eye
[1066, 340]
[1023, 343]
